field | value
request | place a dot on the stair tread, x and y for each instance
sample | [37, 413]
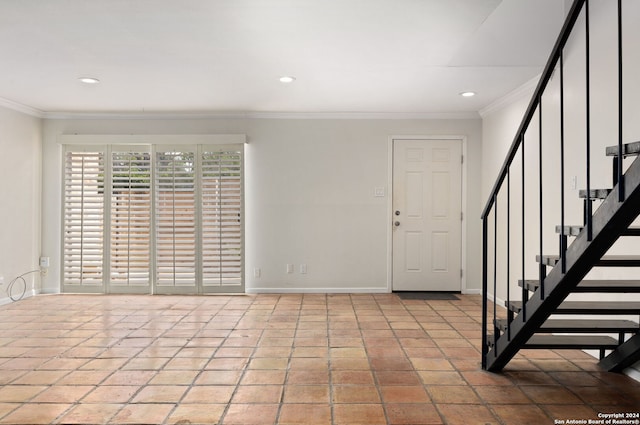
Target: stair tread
[566, 342]
[610, 286]
[589, 307]
[606, 261]
[627, 149]
[581, 325]
[632, 231]
[571, 341]
[570, 229]
[575, 229]
[594, 193]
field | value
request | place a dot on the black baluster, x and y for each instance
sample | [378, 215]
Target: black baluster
[509, 316]
[563, 240]
[588, 205]
[619, 176]
[495, 270]
[542, 273]
[525, 293]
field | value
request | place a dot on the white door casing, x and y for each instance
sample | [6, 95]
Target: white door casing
[426, 215]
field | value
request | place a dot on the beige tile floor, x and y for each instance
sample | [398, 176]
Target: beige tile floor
[280, 359]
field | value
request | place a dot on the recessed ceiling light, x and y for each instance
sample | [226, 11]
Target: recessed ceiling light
[88, 80]
[287, 79]
[468, 94]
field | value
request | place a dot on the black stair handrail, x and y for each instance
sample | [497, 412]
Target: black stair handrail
[549, 68]
[502, 182]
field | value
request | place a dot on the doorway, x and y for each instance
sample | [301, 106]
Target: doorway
[427, 215]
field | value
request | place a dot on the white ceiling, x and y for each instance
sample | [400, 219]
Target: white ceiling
[213, 56]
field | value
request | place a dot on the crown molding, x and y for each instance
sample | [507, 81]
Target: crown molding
[146, 139]
[19, 107]
[139, 115]
[260, 115]
[524, 90]
[366, 115]
[469, 115]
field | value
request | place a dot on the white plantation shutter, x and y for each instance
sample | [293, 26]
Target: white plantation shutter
[167, 219]
[130, 217]
[221, 217]
[83, 228]
[175, 210]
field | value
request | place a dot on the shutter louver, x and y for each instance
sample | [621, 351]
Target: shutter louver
[83, 218]
[130, 218]
[175, 219]
[222, 218]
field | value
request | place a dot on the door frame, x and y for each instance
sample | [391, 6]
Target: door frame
[463, 222]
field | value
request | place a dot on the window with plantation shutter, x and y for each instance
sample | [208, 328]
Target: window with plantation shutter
[175, 211]
[153, 218]
[130, 219]
[83, 228]
[222, 218]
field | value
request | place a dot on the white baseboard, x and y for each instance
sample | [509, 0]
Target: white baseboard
[633, 373]
[334, 291]
[471, 292]
[5, 299]
[316, 290]
[499, 301]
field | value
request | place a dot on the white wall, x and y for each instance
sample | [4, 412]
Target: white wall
[309, 195]
[20, 144]
[501, 122]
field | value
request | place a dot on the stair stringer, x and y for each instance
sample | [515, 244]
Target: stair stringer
[609, 222]
[626, 355]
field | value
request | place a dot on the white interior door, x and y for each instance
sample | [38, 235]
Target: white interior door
[427, 215]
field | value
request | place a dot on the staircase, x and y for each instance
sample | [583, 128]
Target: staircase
[530, 321]
[534, 329]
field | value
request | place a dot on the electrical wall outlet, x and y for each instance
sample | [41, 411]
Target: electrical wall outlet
[303, 268]
[257, 272]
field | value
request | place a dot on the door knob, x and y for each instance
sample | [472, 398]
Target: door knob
[397, 213]
[396, 223]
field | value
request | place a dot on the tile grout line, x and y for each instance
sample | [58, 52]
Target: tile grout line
[195, 378]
